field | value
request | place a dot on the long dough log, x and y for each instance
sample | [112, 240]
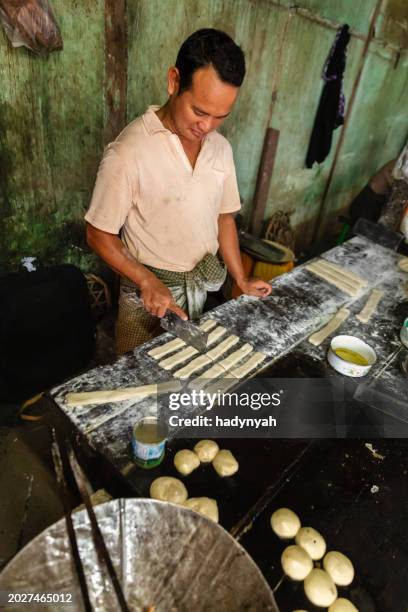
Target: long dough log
[119, 395]
[329, 276]
[321, 267]
[336, 275]
[344, 272]
[366, 313]
[317, 338]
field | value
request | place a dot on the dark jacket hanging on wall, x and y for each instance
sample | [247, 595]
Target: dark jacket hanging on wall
[330, 113]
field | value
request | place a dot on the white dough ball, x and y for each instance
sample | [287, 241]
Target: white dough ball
[343, 605]
[320, 588]
[206, 450]
[203, 505]
[225, 463]
[339, 567]
[167, 488]
[312, 541]
[285, 523]
[186, 461]
[296, 563]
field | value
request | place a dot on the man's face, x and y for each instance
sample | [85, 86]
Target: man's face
[202, 108]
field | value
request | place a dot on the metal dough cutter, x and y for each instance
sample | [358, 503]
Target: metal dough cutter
[186, 330]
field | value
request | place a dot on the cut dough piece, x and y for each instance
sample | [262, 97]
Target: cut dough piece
[203, 380]
[215, 335]
[222, 348]
[186, 461]
[178, 343]
[249, 365]
[206, 450]
[193, 366]
[342, 605]
[225, 463]
[312, 541]
[339, 567]
[320, 588]
[370, 306]
[296, 563]
[203, 505]
[205, 326]
[214, 372]
[317, 338]
[403, 264]
[167, 488]
[285, 523]
[119, 395]
[174, 360]
[235, 357]
[165, 349]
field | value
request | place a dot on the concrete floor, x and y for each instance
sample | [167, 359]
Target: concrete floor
[30, 499]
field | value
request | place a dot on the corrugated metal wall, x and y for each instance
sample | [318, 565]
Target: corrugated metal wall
[53, 114]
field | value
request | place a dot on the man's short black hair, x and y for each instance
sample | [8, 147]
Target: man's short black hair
[210, 47]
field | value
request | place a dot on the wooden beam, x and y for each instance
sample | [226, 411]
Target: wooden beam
[264, 179]
[115, 68]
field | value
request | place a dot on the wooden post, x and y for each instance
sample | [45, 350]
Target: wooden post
[115, 68]
[264, 179]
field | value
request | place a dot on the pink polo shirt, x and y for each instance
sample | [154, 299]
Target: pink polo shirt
[168, 212]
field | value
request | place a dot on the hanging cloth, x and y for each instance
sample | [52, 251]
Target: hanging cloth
[330, 113]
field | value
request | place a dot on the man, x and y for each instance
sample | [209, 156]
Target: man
[371, 201]
[168, 184]
[385, 198]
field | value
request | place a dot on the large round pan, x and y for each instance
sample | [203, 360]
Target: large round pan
[168, 558]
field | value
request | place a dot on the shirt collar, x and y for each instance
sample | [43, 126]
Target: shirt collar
[152, 122]
[154, 125]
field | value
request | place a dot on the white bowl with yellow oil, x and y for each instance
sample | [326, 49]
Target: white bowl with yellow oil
[351, 356]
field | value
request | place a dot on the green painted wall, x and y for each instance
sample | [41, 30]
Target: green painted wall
[51, 129]
[52, 111]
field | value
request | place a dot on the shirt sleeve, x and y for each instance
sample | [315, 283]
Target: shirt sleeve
[112, 195]
[230, 201]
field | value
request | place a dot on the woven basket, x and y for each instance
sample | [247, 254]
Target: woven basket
[99, 293]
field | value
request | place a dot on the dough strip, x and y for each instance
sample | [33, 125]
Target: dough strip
[119, 395]
[317, 338]
[366, 313]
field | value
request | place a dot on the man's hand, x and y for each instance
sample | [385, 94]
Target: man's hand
[157, 298]
[255, 286]
[229, 248]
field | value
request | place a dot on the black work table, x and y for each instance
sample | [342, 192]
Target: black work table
[328, 482]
